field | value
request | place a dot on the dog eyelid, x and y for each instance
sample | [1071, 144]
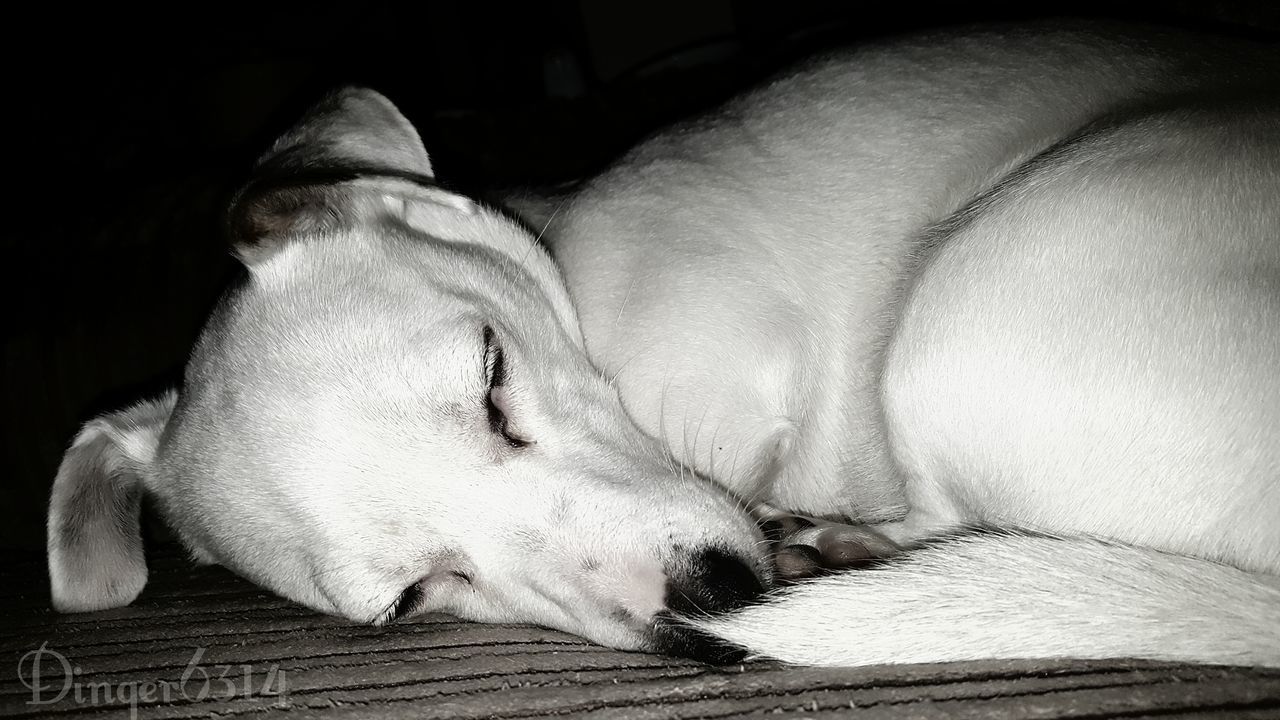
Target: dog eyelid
[406, 603]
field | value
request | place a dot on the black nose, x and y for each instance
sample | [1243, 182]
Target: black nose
[713, 581]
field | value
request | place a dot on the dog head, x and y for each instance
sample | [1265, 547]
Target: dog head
[394, 413]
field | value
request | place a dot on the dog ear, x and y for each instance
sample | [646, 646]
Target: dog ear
[95, 539]
[304, 184]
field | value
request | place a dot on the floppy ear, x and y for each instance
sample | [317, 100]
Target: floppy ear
[95, 538]
[305, 183]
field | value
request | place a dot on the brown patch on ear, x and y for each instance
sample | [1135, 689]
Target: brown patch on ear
[304, 184]
[294, 197]
[263, 217]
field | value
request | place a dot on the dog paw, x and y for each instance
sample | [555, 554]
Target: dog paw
[805, 547]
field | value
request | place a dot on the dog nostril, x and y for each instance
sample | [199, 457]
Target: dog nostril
[714, 581]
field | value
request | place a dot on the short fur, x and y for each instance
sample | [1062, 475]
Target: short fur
[1020, 280]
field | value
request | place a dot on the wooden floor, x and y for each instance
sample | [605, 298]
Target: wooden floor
[202, 643]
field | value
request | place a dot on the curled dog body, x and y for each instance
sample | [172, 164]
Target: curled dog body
[1007, 299]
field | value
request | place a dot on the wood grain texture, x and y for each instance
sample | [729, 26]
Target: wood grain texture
[204, 622]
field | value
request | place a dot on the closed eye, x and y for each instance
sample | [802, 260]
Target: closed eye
[495, 397]
[411, 599]
[406, 603]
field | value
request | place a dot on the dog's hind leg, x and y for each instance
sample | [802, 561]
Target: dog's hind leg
[990, 595]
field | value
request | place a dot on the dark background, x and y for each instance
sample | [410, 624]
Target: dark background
[131, 131]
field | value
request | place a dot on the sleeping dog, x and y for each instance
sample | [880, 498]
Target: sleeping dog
[997, 310]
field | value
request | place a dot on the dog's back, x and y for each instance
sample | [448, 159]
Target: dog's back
[808, 201]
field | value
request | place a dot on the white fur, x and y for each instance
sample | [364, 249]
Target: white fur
[1015, 280]
[332, 439]
[867, 290]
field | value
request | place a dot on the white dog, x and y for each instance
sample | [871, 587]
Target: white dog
[1008, 300]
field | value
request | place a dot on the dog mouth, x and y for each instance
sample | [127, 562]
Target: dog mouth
[695, 586]
[670, 635]
[714, 582]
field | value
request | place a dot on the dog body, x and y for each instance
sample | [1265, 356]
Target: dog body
[955, 277]
[1024, 281]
